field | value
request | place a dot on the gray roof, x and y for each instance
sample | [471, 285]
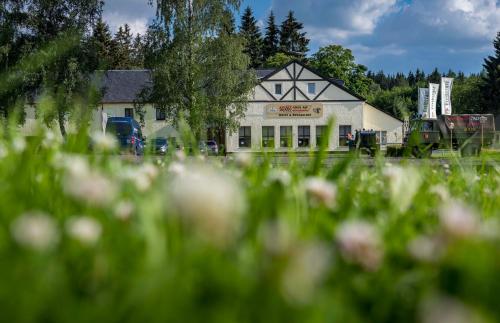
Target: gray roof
[263, 72]
[124, 86]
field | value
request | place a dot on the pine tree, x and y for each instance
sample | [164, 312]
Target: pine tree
[434, 77]
[122, 48]
[411, 79]
[138, 52]
[271, 41]
[490, 87]
[253, 38]
[293, 42]
[102, 43]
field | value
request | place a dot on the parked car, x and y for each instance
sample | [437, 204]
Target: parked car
[212, 147]
[158, 146]
[128, 132]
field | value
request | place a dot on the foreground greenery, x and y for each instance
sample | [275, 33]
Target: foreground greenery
[91, 237]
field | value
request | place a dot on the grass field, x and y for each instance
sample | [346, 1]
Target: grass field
[95, 238]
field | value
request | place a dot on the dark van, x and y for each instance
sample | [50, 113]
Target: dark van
[128, 132]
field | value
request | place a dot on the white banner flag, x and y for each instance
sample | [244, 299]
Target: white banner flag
[433, 98]
[446, 88]
[423, 103]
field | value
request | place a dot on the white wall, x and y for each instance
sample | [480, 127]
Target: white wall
[345, 113]
[380, 121]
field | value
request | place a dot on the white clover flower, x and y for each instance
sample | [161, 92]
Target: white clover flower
[180, 155]
[444, 309]
[50, 139]
[243, 160]
[404, 184]
[459, 220]
[103, 142]
[149, 170]
[75, 165]
[305, 271]
[320, 192]
[441, 191]
[141, 180]
[427, 249]
[84, 229]
[280, 176]
[360, 243]
[124, 210]
[36, 231]
[19, 144]
[211, 201]
[176, 168]
[92, 188]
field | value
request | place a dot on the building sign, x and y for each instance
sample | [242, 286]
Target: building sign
[285, 110]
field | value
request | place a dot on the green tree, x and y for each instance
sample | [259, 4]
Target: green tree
[338, 62]
[203, 70]
[271, 40]
[155, 43]
[102, 43]
[399, 101]
[250, 32]
[465, 93]
[122, 48]
[490, 87]
[33, 25]
[138, 52]
[293, 41]
[279, 60]
[434, 77]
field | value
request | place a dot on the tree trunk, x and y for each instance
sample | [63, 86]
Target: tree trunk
[61, 120]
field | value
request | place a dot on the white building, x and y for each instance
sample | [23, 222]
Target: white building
[291, 107]
[288, 110]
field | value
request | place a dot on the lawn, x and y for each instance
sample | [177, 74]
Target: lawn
[88, 237]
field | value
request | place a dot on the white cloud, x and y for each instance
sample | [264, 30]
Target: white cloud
[137, 25]
[136, 13]
[340, 19]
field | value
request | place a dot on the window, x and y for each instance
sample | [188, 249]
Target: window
[245, 137]
[321, 135]
[311, 88]
[285, 136]
[129, 112]
[344, 131]
[160, 114]
[268, 137]
[278, 89]
[382, 137]
[304, 136]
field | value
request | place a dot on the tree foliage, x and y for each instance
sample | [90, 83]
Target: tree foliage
[271, 40]
[490, 87]
[338, 62]
[250, 32]
[203, 69]
[293, 41]
[27, 26]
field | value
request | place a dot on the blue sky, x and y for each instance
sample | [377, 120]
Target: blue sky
[392, 35]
